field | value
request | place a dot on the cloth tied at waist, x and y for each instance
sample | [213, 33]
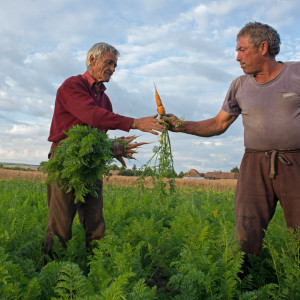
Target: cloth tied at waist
[274, 155]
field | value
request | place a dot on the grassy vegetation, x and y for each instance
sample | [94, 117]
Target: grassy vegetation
[172, 246]
[12, 167]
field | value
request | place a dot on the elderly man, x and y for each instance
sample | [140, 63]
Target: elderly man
[268, 97]
[82, 100]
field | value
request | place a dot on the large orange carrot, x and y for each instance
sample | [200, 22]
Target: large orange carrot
[160, 107]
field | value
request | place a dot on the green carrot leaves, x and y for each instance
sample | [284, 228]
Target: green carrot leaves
[80, 160]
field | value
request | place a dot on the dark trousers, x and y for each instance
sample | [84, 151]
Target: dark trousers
[62, 210]
[266, 178]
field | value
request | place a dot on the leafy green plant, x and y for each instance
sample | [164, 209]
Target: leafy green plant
[285, 260]
[71, 283]
[80, 160]
[179, 246]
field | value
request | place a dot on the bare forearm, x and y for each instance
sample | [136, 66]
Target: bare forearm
[205, 128]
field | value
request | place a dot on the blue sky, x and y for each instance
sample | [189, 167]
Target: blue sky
[186, 47]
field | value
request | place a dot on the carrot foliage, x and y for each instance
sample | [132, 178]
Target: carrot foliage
[80, 160]
[163, 168]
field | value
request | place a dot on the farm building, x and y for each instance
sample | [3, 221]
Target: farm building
[193, 174]
[221, 175]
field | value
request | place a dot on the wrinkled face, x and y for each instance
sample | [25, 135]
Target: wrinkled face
[102, 68]
[249, 58]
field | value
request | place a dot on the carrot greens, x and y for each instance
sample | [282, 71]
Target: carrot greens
[80, 160]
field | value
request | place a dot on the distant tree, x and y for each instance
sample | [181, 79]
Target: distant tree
[181, 174]
[148, 171]
[113, 167]
[126, 172]
[235, 170]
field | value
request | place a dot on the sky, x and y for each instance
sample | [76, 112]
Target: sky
[185, 47]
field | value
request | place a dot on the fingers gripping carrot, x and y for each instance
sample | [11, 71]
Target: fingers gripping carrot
[160, 107]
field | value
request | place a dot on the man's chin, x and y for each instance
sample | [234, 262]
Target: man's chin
[246, 71]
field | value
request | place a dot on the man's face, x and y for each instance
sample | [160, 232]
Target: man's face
[102, 68]
[249, 58]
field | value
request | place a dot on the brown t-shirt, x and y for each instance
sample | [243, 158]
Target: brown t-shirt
[270, 111]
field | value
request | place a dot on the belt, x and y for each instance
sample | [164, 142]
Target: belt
[274, 155]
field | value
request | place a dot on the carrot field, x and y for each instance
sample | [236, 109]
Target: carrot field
[177, 245]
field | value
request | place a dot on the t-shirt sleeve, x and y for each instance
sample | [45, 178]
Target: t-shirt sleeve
[230, 104]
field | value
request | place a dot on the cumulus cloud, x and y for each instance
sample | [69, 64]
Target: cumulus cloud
[187, 48]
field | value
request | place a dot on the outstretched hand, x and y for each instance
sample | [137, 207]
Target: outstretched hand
[148, 124]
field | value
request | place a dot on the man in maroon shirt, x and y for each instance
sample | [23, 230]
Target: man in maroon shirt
[82, 100]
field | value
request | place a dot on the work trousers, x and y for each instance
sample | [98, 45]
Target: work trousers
[62, 210]
[265, 178]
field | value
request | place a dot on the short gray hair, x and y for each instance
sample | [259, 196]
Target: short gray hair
[99, 50]
[259, 33]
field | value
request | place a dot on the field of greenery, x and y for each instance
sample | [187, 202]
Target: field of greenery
[157, 246]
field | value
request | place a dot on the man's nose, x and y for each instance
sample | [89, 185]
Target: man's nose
[112, 68]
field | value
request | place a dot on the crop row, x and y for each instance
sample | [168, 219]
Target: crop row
[171, 246]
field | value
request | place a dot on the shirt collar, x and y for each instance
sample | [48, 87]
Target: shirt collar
[100, 87]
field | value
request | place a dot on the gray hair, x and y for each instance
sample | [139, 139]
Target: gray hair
[259, 33]
[98, 50]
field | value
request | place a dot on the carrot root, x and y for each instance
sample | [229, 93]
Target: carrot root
[160, 108]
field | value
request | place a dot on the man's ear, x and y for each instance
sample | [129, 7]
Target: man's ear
[263, 48]
[92, 60]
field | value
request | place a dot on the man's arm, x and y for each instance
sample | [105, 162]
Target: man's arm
[205, 128]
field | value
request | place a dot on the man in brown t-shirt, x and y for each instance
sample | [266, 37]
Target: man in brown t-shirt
[268, 97]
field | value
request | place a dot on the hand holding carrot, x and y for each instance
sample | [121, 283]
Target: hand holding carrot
[174, 122]
[148, 124]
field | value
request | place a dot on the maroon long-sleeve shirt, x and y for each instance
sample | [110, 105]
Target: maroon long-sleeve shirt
[79, 100]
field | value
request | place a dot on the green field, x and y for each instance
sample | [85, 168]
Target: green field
[172, 246]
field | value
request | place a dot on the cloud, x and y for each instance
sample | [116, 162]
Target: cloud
[24, 142]
[187, 48]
